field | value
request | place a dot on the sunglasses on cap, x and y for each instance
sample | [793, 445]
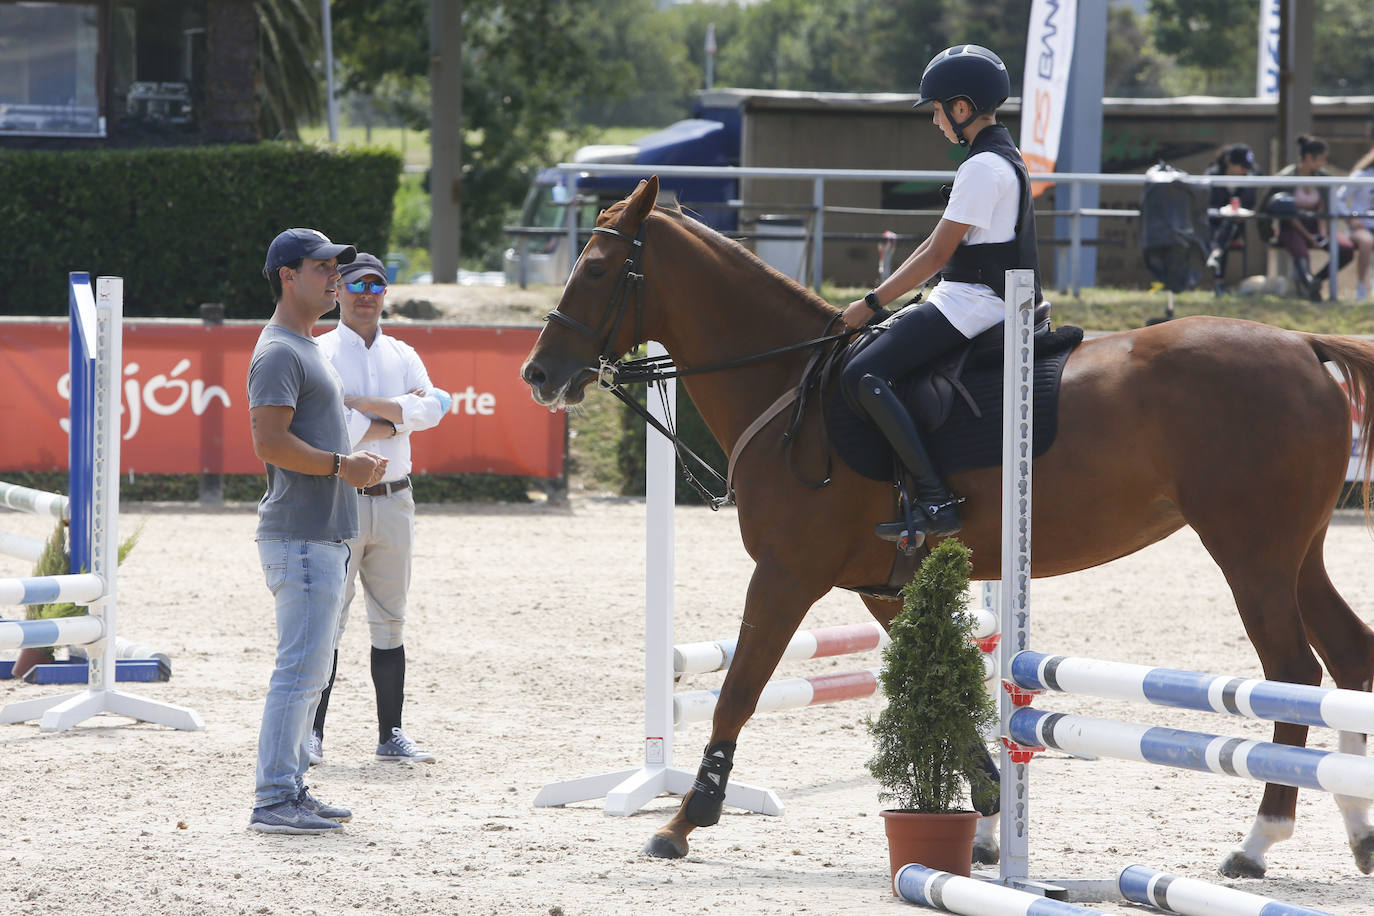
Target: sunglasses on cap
[358, 286]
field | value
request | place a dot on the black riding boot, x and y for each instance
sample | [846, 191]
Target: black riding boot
[938, 506]
[1309, 287]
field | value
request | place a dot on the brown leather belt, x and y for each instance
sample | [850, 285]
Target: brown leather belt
[386, 489]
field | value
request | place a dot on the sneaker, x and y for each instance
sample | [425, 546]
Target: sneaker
[1361, 292]
[316, 747]
[289, 817]
[320, 809]
[1214, 262]
[402, 748]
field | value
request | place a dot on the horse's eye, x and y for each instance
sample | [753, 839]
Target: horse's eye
[595, 269]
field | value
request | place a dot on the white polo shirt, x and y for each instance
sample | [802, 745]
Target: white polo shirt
[987, 196]
[390, 368]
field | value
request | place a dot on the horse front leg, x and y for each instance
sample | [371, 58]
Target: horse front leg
[773, 609]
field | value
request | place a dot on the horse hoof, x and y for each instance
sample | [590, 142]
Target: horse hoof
[986, 853]
[1239, 865]
[1364, 852]
[664, 847]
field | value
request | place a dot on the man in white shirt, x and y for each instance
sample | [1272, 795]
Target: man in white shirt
[988, 227]
[387, 396]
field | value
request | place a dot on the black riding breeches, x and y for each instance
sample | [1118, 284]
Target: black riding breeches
[919, 336]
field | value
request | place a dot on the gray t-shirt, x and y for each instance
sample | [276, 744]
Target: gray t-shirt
[288, 370]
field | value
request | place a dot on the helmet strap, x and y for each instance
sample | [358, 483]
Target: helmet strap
[959, 125]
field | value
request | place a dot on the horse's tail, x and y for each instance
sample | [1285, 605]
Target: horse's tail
[1355, 359]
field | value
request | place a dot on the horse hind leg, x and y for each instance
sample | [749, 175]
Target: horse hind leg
[1346, 646]
[1263, 577]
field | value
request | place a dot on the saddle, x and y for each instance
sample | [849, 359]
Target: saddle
[957, 403]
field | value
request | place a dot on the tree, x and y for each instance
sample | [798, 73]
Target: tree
[525, 70]
[289, 50]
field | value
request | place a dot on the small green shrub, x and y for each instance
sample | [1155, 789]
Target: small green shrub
[930, 737]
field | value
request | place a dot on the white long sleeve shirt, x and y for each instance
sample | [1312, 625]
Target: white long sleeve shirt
[390, 368]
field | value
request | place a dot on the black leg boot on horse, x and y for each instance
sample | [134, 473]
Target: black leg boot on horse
[939, 508]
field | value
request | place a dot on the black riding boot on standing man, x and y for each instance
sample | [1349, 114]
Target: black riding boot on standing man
[935, 508]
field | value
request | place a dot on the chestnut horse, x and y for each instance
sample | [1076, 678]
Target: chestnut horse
[1232, 427]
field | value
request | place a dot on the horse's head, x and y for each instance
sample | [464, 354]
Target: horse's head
[599, 313]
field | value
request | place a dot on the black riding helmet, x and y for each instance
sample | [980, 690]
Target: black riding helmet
[965, 72]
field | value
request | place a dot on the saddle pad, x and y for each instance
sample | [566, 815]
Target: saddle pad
[964, 442]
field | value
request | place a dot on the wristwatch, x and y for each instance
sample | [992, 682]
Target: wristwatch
[871, 300]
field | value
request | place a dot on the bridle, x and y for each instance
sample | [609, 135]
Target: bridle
[613, 373]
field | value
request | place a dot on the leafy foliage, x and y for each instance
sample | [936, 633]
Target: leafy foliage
[929, 738]
[182, 226]
[289, 45]
[526, 68]
[55, 561]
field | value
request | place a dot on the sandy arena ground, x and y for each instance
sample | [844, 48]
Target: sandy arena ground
[525, 661]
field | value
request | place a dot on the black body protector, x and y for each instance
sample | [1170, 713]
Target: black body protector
[988, 263]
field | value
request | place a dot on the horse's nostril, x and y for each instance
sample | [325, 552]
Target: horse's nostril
[533, 374]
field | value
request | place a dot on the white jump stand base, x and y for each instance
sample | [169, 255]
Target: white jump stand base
[629, 790]
[61, 712]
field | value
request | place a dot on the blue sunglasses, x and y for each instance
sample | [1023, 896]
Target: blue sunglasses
[358, 286]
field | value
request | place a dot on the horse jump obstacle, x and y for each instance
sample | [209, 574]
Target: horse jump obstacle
[93, 469]
[1190, 897]
[1023, 729]
[1136, 883]
[798, 692]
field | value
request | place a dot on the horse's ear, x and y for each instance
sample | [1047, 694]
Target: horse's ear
[641, 202]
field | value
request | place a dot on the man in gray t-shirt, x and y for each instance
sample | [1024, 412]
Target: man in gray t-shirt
[310, 510]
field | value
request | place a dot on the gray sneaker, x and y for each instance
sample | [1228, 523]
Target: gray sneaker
[289, 817]
[316, 747]
[402, 748]
[320, 809]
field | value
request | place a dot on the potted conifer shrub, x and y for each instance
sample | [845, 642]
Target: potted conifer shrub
[930, 737]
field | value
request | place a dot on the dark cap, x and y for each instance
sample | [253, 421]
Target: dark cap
[294, 244]
[361, 266]
[1240, 154]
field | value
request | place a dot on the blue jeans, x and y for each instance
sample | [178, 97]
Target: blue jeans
[307, 579]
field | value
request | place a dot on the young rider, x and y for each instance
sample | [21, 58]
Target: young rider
[988, 227]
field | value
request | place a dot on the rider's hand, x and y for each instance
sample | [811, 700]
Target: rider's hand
[857, 314]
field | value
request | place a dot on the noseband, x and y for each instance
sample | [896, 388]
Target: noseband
[631, 282]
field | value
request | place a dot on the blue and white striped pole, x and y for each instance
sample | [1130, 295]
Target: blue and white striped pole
[1329, 771]
[1190, 897]
[1273, 701]
[971, 897]
[56, 631]
[79, 589]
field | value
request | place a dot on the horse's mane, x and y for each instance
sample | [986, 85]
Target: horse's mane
[730, 249]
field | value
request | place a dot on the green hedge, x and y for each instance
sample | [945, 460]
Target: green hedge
[181, 226]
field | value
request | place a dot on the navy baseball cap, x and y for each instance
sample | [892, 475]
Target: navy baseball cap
[361, 266]
[1240, 154]
[292, 244]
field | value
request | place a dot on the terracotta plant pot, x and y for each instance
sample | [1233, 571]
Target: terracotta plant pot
[940, 841]
[29, 657]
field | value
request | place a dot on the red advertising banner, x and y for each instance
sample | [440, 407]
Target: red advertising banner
[185, 407]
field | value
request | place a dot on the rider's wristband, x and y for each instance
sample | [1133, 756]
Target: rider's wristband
[338, 463]
[871, 300]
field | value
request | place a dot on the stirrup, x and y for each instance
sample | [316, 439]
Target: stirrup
[907, 543]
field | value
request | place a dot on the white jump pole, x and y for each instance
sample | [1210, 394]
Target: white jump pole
[627, 791]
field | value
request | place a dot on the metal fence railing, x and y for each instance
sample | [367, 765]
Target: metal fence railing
[1082, 220]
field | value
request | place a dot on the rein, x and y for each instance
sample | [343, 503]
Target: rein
[612, 374]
